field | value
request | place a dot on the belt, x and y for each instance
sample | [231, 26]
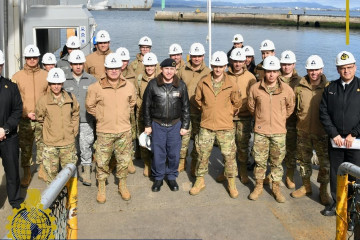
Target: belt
[166, 124]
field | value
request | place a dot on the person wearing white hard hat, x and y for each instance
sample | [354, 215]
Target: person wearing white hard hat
[77, 82]
[58, 113]
[145, 45]
[267, 48]
[95, 61]
[126, 70]
[238, 73]
[10, 114]
[150, 72]
[191, 73]
[219, 100]
[310, 132]
[250, 58]
[340, 116]
[237, 41]
[111, 101]
[72, 43]
[175, 52]
[289, 76]
[48, 61]
[31, 81]
[271, 102]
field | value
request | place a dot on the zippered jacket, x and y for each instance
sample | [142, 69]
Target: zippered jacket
[95, 64]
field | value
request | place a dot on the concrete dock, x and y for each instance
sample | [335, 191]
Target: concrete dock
[297, 20]
[177, 215]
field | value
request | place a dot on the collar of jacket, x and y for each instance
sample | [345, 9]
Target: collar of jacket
[104, 82]
[65, 57]
[138, 57]
[103, 53]
[189, 67]
[126, 73]
[305, 81]
[278, 91]
[231, 72]
[227, 82]
[69, 76]
[160, 80]
[293, 77]
[31, 70]
[50, 98]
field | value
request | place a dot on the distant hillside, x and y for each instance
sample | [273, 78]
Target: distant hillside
[188, 3]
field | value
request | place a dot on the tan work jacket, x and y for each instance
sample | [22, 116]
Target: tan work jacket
[217, 112]
[259, 72]
[308, 100]
[32, 85]
[271, 110]
[95, 64]
[111, 106]
[60, 123]
[129, 75]
[138, 67]
[244, 81]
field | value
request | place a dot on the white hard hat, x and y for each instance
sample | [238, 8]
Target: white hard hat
[145, 41]
[102, 36]
[145, 141]
[31, 51]
[56, 75]
[238, 38]
[113, 60]
[2, 58]
[197, 49]
[288, 57]
[267, 45]
[249, 51]
[238, 54]
[344, 58]
[219, 58]
[149, 59]
[73, 42]
[48, 58]
[175, 49]
[314, 62]
[123, 53]
[77, 56]
[271, 63]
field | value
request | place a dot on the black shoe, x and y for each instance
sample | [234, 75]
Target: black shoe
[329, 210]
[157, 185]
[173, 185]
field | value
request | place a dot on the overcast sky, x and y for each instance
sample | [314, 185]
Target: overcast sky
[334, 3]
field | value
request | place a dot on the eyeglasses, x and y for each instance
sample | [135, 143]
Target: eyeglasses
[31, 58]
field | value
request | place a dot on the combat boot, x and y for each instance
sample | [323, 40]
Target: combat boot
[101, 195]
[220, 178]
[124, 192]
[290, 178]
[243, 174]
[198, 186]
[131, 167]
[268, 180]
[257, 190]
[42, 174]
[193, 168]
[182, 165]
[277, 193]
[25, 182]
[232, 187]
[305, 189]
[324, 196]
[147, 168]
[86, 176]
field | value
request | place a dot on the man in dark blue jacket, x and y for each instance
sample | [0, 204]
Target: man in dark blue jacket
[10, 115]
[340, 115]
[167, 118]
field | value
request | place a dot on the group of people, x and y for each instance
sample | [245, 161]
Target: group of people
[143, 109]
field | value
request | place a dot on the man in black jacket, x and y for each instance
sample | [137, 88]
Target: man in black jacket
[340, 115]
[167, 118]
[10, 114]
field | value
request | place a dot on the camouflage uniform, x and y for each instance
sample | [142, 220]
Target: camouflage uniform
[185, 140]
[242, 137]
[85, 140]
[270, 147]
[52, 156]
[106, 144]
[204, 142]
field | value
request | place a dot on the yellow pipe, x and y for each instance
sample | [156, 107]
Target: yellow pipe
[341, 207]
[72, 226]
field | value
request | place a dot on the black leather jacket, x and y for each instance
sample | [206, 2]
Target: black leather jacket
[166, 106]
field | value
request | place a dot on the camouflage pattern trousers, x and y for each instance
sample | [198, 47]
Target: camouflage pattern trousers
[291, 142]
[204, 142]
[28, 132]
[306, 144]
[266, 146]
[185, 139]
[53, 156]
[242, 137]
[107, 143]
[84, 142]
